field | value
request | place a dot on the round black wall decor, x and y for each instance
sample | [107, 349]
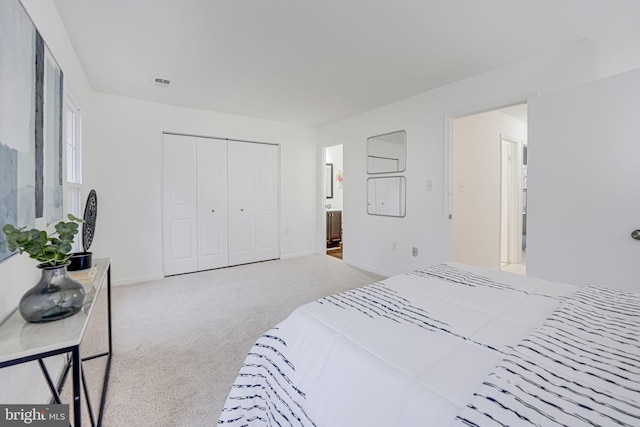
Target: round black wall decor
[90, 215]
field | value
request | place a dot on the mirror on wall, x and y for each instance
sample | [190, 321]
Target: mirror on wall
[386, 153]
[328, 181]
[386, 196]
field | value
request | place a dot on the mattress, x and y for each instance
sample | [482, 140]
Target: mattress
[406, 351]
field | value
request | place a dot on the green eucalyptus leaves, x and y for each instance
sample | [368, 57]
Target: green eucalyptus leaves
[50, 250]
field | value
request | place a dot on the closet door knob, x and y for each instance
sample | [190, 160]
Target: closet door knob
[635, 234]
[213, 210]
[241, 210]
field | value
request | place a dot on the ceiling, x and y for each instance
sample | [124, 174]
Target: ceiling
[315, 62]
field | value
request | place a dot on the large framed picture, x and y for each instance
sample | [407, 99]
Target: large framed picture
[31, 93]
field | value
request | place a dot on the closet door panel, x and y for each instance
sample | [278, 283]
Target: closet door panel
[179, 205]
[253, 202]
[266, 179]
[242, 178]
[212, 203]
[242, 242]
[242, 194]
[267, 245]
[267, 236]
[212, 243]
[181, 241]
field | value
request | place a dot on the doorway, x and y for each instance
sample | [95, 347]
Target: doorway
[478, 205]
[333, 200]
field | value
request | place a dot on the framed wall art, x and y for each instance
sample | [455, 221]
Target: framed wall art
[31, 94]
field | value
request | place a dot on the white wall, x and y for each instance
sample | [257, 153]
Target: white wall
[476, 189]
[425, 118]
[24, 383]
[123, 163]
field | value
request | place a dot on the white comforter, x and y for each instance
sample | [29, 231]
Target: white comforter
[408, 351]
[580, 368]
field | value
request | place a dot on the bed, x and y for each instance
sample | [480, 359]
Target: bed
[447, 345]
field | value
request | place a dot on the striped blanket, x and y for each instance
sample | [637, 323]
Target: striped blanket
[580, 368]
[407, 351]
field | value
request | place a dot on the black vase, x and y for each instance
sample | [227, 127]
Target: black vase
[54, 297]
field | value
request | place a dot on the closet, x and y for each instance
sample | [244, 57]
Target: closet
[220, 203]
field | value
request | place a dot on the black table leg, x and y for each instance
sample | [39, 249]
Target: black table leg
[76, 370]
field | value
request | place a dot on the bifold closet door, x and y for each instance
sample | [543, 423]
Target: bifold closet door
[213, 248]
[194, 204]
[180, 225]
[253, 202]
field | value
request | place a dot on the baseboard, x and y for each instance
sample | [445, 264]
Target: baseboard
[369, 269]
[298, 254]
[134, 280]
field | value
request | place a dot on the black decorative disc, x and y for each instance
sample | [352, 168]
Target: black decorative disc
[90, 215]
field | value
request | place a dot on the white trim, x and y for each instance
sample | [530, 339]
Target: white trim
[491, 106]
[218, 137]
[299, 254]
[449, 139]
[370, 269]
[136, 280]
[72, 189]
[70, 103]
[323, 203]
[514, 199]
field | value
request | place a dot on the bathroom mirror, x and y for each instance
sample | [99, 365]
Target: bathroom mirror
[386, 196]
[386, 153]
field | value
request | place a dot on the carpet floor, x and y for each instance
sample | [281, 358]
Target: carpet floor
[180, 341]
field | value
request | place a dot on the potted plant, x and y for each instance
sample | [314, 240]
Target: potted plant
[56, 295]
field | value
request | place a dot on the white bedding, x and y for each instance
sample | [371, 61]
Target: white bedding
[581, 367]
[408, 351]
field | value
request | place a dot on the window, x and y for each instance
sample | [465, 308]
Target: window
[73, 149]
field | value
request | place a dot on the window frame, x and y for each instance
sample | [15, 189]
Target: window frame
[73, 161]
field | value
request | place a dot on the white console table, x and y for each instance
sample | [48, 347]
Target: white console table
[22, 342]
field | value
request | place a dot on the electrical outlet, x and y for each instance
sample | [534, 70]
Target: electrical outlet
[414, 251]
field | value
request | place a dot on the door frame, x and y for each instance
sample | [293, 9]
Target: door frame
[322, 210]
[449, 141]
[512, 199]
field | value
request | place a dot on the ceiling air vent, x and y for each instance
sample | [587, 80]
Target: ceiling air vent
[162, 82]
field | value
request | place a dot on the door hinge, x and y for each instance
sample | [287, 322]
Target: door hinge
[450, 216]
